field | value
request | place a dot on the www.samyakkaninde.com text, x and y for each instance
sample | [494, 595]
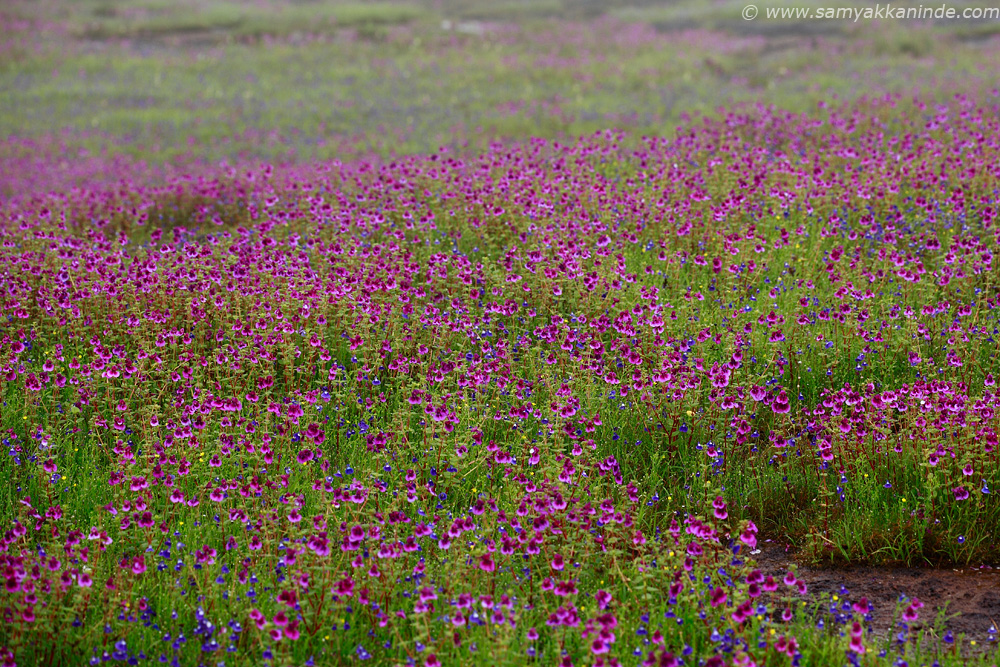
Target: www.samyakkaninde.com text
[887, 11]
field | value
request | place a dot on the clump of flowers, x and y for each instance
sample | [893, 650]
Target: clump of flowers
[545, 403]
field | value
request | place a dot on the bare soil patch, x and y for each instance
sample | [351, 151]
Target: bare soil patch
[970, 596]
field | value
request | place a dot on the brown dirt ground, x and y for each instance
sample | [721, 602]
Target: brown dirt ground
[970, 595]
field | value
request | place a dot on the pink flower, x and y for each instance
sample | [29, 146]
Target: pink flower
[719, 506]
[603, 599]
[486, 563]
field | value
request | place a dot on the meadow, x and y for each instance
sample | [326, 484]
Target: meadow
[328, 332]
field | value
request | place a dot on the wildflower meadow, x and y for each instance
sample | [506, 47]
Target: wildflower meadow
[553, 398]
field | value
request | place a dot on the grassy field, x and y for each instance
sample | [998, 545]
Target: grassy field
[330, 330]
[174, 84]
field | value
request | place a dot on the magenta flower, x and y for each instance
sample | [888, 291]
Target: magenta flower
[603, 599]
[719, 506]
[961, 493]
[912, 611]
[742, 612]
[486, 563]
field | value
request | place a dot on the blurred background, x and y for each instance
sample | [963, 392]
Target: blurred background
[95, 90]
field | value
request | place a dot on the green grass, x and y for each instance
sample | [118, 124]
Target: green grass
[393, 94]
[117, 21]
